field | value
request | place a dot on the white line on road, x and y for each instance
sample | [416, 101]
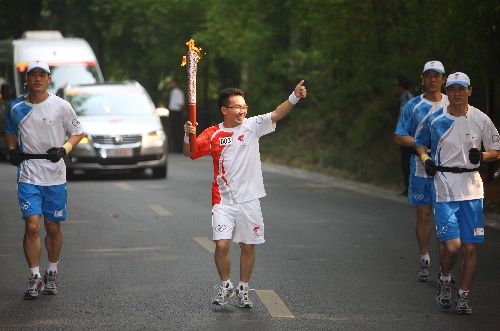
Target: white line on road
[123, 186]
[126, 249]
[205, 243]
[275, 306]
[160, 210]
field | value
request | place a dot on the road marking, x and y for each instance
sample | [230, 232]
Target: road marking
[275, 306]
[5, 255]
[125, 249]
[205, 243]
[124, 186]
[160, 210]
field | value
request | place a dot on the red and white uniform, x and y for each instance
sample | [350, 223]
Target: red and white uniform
[236, 159]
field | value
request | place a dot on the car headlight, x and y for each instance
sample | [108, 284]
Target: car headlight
[157, 135]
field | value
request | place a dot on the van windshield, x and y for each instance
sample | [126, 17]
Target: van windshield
[71, 73]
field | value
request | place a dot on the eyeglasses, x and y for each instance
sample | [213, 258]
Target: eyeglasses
[245, 107]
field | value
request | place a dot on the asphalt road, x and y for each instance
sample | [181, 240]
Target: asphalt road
[137, 255]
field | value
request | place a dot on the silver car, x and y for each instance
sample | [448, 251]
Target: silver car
[123, 129]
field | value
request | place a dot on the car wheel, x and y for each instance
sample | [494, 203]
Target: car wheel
[160, 172]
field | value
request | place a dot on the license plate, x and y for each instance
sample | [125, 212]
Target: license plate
[119, 152]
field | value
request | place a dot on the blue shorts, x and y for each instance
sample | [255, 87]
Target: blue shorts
[460, 219]
[419, 191]
[50, 201]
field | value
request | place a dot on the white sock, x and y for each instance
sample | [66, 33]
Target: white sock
[52, 267]
[445, 278]
[463, 293]
[35, 271]
[245, 285]
[425, 257]
[227, 283]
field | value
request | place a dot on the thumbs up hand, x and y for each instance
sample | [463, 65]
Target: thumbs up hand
[300, 90]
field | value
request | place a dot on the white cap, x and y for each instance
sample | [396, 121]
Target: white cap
[38, 64]
[458, 78]
[437, 66]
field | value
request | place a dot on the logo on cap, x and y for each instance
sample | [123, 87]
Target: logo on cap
[458, 78]
[437, 66]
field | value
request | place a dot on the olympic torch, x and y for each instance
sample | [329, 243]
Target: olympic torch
[193, 56]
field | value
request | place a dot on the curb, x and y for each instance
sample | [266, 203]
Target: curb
[491, 220]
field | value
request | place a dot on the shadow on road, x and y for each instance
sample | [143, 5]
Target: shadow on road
[112, 175]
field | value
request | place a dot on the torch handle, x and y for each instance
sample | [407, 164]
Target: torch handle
[192, 119]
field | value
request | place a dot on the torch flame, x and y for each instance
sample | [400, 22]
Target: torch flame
[192, 48]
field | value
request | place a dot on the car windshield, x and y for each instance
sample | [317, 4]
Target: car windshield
[117, 102]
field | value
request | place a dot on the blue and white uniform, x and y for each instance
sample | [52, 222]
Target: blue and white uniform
[458, 194]
[39, 127]
[409, 123]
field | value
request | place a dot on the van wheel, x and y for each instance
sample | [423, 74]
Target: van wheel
[160, 172]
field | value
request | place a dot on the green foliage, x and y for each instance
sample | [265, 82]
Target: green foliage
[348, 52]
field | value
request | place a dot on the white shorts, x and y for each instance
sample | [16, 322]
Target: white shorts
[244, 218]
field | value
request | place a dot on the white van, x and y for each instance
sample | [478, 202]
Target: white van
[71, 60]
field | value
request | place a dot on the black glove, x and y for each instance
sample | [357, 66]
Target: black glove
[475, 155]
[15, 157]
[430, 167]
[55, 154]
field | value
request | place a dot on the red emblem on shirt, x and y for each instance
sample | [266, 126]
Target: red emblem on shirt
[240, 138]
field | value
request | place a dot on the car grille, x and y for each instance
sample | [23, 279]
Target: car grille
[116, 140]
[120, 160]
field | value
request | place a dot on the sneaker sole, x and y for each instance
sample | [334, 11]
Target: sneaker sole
[464, 312]
[245, 306]
[30, 296]
[443, 306]
[218, 303]
[423, 279]
[50, 292]
[33, 297]
[26, 297]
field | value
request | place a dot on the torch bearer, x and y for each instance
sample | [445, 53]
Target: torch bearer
[193, 56]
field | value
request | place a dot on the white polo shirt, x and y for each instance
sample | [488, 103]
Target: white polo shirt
[450, 139]
[40, 127]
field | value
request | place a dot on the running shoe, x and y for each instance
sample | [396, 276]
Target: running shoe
[243, 300]
[33, 287]
[462, 304]
[50, 283]
[443, 295]
[224, 293]
[424, 271]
